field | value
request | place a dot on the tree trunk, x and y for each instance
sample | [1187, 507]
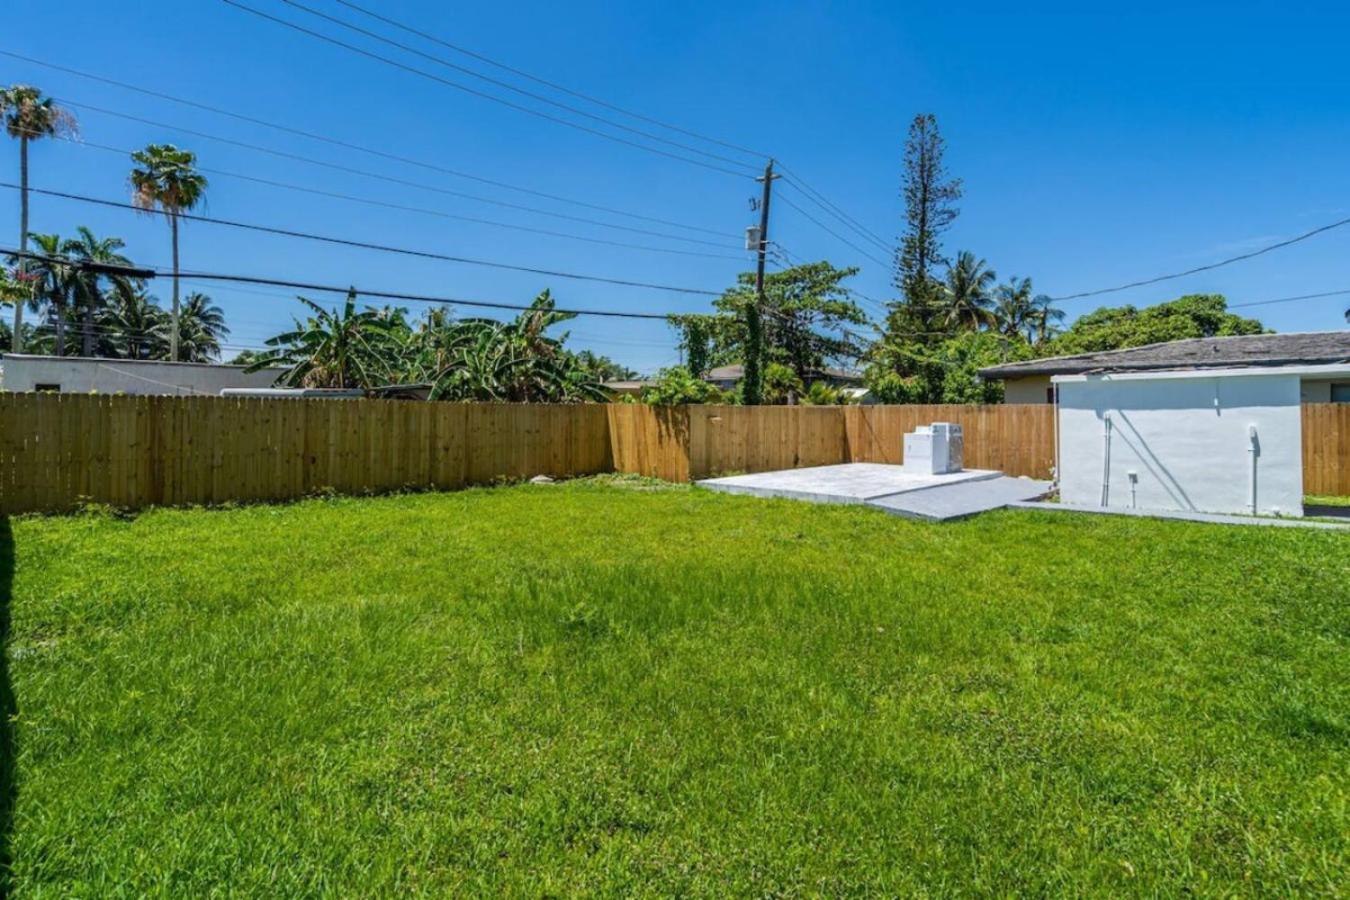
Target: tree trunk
[173, 335]
[88, 348]
[60, 328]
[17, 342]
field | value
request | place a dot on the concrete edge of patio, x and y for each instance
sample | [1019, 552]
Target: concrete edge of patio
[1181, 516]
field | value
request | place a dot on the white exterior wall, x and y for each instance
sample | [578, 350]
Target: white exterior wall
[1028, 389]
[120, 376]
[1187, 441]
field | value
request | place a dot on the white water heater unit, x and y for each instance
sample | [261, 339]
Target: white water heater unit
[934, 449]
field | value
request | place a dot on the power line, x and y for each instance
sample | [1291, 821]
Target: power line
[447, 82]
[1340, 293]
[794, 260]
[820, 200]
[364, 245]
[282, 154]
[506, 85]
[555, 86]
[332, 289]
[429, 212]
[358, 147]
[831, 231]
[1224, 262]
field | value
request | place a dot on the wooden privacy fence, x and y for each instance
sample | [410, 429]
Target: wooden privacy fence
[687, 442]
[1326, 449]
[60, 450]
[57, 450]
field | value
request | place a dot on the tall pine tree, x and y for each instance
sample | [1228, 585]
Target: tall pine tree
[930, 197]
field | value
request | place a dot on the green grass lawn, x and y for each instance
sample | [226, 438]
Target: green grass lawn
[626, 689]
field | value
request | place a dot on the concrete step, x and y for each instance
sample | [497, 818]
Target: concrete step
[956, 501]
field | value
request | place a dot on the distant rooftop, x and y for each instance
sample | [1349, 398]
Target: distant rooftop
[1299, 349]
[737, 371]
[106, 360]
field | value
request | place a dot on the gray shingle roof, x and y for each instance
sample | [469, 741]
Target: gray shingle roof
[1306, 348]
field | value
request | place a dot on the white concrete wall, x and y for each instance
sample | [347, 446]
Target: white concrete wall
[1029, 389]
[120, 376]
[1187, 441]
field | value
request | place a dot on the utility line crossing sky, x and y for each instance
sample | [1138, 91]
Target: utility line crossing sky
[1096, 148]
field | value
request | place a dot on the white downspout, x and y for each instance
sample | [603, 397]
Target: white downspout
[1055, 392]
[1106, 459]
[1253, 450]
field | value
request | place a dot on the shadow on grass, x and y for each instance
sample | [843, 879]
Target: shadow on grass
[9, 782]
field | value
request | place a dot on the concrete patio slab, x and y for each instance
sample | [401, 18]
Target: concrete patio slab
[1212, 518]
[846, 483]
[957, 501]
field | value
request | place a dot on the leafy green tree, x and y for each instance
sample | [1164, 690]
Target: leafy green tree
[166, 179]
[133, 325]
[822, 394]
[1015, 311]
[695, 342]
[967, 301]
[90, 287]
[1045, 319]
[53, 289]
[1115, 328]
[807, 314]
[244, 358]
[945, 372]
[678, 386]
[514, 362]
[12, 291]
[782, 384]
[930, 196]
[201, 327]
[29, 116]
[334, 348]
[602, 368]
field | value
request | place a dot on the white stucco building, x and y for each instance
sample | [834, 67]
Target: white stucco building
[84, 375]
[1204, 425]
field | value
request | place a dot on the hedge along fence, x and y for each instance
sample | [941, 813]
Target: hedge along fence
[60, 450]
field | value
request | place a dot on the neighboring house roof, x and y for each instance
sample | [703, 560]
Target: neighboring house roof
[625, 385]
[153, 363]
[413, 391]
[737, 372]
[1299, 349]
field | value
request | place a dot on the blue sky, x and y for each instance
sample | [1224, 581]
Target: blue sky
[1095, 147]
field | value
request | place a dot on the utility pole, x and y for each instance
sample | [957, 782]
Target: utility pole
[752, 385]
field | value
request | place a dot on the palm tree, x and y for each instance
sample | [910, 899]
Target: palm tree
[167, 179]
[29, 116]
[967, 302]
[134, 324]
[53, 286]
[332, 349]
[201, 325]
[89, 293]
[1045, 316]
[516, 361]
[1013, 307]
